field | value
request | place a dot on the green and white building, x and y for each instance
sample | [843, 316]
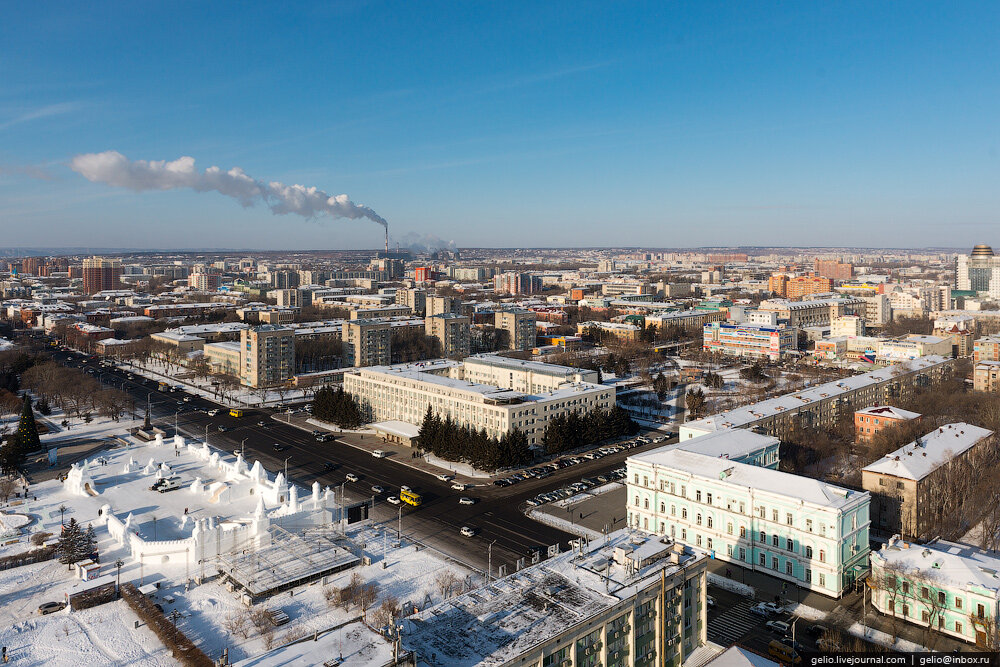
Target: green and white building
[807, 532]
[953, 588]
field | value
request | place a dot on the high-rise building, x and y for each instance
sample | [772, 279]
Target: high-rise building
[436, 305]
[267, 355]
[366, 342]
[205, 281]
[423, 274]
[415, 299]
[519, 323]
[286, 279]
[101, 274]
[453, 333]
[801, 286]
[979, 271]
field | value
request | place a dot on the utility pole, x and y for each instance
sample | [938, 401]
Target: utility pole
[399, 524]
[489, 562]
[243, 446]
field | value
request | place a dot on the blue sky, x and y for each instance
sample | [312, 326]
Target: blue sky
[509, 123]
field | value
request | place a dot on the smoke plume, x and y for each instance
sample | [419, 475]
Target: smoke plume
[113, 168]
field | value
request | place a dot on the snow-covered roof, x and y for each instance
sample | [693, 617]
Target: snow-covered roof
[924, 455]
[749, 414]
[730, 444]
[398, 428]
[888, 412]
[497, 623]
[735, 656]
[787, 485]
[950, 563]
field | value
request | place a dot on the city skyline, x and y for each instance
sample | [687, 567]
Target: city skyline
[520, 126]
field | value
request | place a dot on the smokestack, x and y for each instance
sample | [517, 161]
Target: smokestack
[387, 240]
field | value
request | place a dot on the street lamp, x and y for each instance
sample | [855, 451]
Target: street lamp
[399, 523]
[62, 512]
[489, 562]
[242, 446]
[118, 564]
[286, 474]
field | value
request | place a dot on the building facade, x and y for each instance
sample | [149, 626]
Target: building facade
[367, 342]
[903, 483]
[756, 341]
[267, 355]
[979, 271]
[986, 376]
[798, 529]
[452, 331]
[868, 422]
[520, 325]
[101, 274]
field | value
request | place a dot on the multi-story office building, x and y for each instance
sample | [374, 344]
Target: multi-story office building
[519, 323]
[622, 331]
[802, 530]
[267, 355]
[224, 357]
[530, 377]
[902, 483]
[868, 422]
[618, 602]
[833, 268]
[750, 340]
[284, 279]
[944, 586]
[979, 271]
[847, 325]
[815, 312]
[686, 319]
[403, 392]
[913, 346]
[452, 331]
[877, 309]
[101, 274]
[823, 404]
[207, 281]
[367, 342]
[286, 298]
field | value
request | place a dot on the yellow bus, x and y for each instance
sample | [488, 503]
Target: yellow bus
[162, 386]
[235, 412]
[410, 498]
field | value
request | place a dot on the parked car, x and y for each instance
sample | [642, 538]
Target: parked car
[468, 532]
[464, 500]
[444, 478]
[351, 477]
[50, 607]
[710, 601]
[774, 609]
[393, 500]
[817, 630]
[760, 610]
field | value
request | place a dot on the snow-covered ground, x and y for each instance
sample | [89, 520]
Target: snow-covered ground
[105, 634]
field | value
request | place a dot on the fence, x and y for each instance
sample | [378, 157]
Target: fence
[27, 558]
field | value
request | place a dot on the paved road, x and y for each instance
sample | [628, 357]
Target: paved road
[497, 514]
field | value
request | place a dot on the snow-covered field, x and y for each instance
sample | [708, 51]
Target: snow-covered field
[105, 634]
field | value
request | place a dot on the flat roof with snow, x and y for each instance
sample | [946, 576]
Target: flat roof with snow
[958, 565]
[729, 444]
[927, 453]
[888, 412]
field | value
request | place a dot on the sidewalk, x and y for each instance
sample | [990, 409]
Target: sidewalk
[369, 442]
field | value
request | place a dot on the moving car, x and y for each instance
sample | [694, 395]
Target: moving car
[444, 478]
[784, 654]
[223, 428]
[467, 531]
[213, 412]
[778, 627]
[351, 477]
[466, 501]
[380, 454]
[378, 489]
[458, 486]
[278, 447]
[393, 500]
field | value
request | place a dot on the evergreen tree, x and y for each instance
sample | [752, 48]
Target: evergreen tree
[27, 431]
[72, 543]
[89, 542]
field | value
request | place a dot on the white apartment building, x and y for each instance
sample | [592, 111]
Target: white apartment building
[403, 392]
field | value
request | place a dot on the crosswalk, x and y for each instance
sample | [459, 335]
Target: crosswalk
[731, 623]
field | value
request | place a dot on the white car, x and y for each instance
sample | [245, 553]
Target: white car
[187, 399]
[458, 486]
[213, 412]
[378, 489]
[404, 487]
[393, 500]
[468, 532]
[351, 477]
[444, 478]
[466, 501]
[380, 454]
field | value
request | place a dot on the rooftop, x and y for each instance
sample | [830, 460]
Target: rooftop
[748, 414]
[924, 455]
[959, 565]
[729, 444]
[494, 624]
[887, 411]
[759, 479]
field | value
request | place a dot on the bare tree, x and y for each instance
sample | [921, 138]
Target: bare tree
[7, 486]
[888, 579]
[387, 612]
[445, 581]
[237, 622]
